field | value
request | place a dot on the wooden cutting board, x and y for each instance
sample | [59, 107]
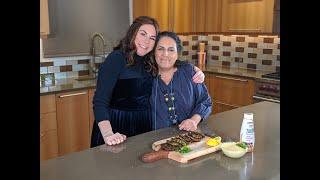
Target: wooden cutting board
[197, 149]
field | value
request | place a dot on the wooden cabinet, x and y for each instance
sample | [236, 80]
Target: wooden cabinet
[172, 15]
[247, 16]
[207, 81]
[153, 8]
[73, 121]
[208, 15]
[228, 92]
[44, 18]
[48, 128]
[182, 19]
[276, 17]
[91, 115]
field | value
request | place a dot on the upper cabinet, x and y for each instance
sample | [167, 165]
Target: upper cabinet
[182, 16]
[209, 15]
[276, 17]
[44, 18]
[153, 8]
[247, 15]
[168, 13]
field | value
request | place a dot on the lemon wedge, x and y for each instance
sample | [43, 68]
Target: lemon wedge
[214, 141]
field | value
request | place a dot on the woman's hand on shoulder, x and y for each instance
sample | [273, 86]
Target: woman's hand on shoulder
[199, 76]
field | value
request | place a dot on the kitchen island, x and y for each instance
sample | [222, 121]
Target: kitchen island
[122, 161]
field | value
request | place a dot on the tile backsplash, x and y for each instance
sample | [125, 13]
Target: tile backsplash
[261, 52]
[65, 68]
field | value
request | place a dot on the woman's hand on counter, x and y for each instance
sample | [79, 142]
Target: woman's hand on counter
[114, 139]
[109, 137]
[190, 124]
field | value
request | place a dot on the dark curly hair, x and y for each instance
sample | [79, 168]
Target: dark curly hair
[175, 37]
[127, 44]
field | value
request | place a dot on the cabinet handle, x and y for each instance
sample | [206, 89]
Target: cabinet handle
[266, 99]
[41, 135]
[75, 94]
[235, 79]
[226, 104]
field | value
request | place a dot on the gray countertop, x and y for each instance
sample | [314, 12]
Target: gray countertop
[71, 84]
[122, 161]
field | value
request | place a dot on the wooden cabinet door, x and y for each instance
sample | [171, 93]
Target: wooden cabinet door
[207, 15]
[47, 103]
[229, 92]
[221, 107]
[247, 16]
[73, 121]
[153, 8]
[91, 115]
[44, 18]
[48, 128]
[182, 18]
[207, 81]
[48, 136]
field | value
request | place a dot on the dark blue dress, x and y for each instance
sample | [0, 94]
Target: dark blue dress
[189, 98]
[122, 97]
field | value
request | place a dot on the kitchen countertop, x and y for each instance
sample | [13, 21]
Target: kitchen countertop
[240, 72]
[67, 84]
[71, 84]
[122, 161]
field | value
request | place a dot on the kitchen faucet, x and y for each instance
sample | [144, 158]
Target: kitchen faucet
[92, 66]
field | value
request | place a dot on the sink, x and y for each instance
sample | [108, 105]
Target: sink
[85, 78]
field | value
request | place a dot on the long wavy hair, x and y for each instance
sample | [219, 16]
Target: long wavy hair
[127, 44]
[153, 62]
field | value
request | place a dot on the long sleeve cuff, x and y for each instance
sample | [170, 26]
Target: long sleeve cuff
[101, 114]
[202, 110]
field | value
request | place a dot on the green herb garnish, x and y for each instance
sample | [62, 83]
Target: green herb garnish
[184, 149]
[242, 145]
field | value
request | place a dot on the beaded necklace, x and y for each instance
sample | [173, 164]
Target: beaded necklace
[169, 99]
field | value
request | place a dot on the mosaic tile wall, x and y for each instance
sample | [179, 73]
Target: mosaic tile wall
[260, 52]
[252, 52]
[65, 68]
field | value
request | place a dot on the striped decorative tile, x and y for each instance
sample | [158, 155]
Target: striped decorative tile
[60, 75]
[53, 69]
[43, 70]
[72, 74]
[71, 62]
[60, 63]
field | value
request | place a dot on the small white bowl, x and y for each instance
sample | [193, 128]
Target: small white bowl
[230, 149]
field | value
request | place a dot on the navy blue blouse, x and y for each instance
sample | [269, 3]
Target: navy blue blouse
[189, 98]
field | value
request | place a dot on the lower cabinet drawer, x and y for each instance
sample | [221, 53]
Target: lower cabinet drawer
[221, 107]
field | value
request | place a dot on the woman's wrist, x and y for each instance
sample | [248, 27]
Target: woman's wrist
[196, 119]
[105, 128]
[107, 134]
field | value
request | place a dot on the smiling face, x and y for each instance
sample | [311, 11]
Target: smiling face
[166, 53]
[145, 39]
